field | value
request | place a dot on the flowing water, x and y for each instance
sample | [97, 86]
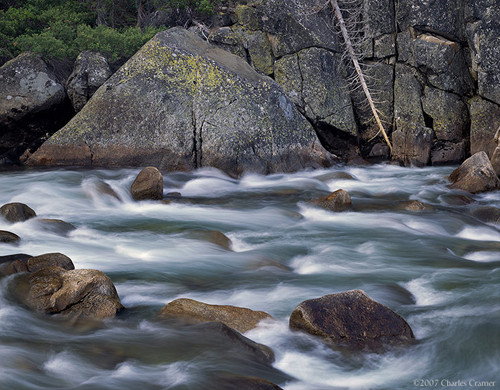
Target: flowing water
[439, 269]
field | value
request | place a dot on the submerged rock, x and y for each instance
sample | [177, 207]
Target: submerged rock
[8, 237]
[191, 311]
[148, 185]
[55, 225]
[237, 342]
[213, 236]
[476, 174]
[74, 294]
[12, 264]
[245, 383]
[181, 103]
[16, 212]
[339, 200]
[414, 205]
[351, 320]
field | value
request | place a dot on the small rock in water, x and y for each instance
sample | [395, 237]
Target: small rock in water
[12, 264]
[8, 237]
[37, 263]
[351, 320]
[73, 294]
[105, 189]
[16, 212]
[414, 205]
[487, 214]
[55, 225]
[231, 382]
[148, 185]
[213, 236]
[193, 312]
[476, 174]
[339, 200]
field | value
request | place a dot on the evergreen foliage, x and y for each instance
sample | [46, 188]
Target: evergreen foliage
[63, 28]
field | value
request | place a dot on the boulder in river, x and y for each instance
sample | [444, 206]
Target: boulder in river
[351, 320]
[180, 104]
[148, 185]
[46, 260]
[8, 237]
[231, 382]
[191, 311]
[16, 212]
[339, 200]
[55, 226]
[414, 205]
[12, 264]
[476, 174]
[74, 294]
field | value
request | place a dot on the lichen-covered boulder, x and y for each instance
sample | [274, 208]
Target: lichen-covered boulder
[339, 200]
[181, 103]
[476, 174]
[90, 71]
[31, 104]
[191, 311]
[351, 320]
[16, 212]
[148, 185]
[74, 294]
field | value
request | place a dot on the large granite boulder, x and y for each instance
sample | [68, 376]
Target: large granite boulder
[31, 101]
[90, 71]
[181, 103]
[476, 174]
[191, 311]
[73, 294]
[351, 320]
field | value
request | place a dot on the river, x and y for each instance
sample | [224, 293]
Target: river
[438, 269]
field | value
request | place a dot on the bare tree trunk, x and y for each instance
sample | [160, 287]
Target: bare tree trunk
[359, 72]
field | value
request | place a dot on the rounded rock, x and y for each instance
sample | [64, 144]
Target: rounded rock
[17, 212]
[148, 185]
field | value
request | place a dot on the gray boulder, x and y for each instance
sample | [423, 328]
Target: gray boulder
[148, 185]
[314, 80]
[485, 120]
[73, 294]
[16, 212]
[476, 174]
[181, 103]
[90, 71]
[351, 320]
[31, 104]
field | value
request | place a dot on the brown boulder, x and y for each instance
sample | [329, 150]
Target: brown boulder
[191, 311]
[339, 200]
[475, 175]
[46, 260]
[414, 205]
[8, 237]
[12, 264]
[148, 185]
[16, 212]
[351, 320]
[75, 294]
[213, 236]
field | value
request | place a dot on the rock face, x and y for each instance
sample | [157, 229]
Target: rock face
[351, 319]
[238, 318]
[16, 212]
[476, 174]
[148, 185]
[90, 71]
[31, 101]
[73, 294]
[339, 200]
[180, 104]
